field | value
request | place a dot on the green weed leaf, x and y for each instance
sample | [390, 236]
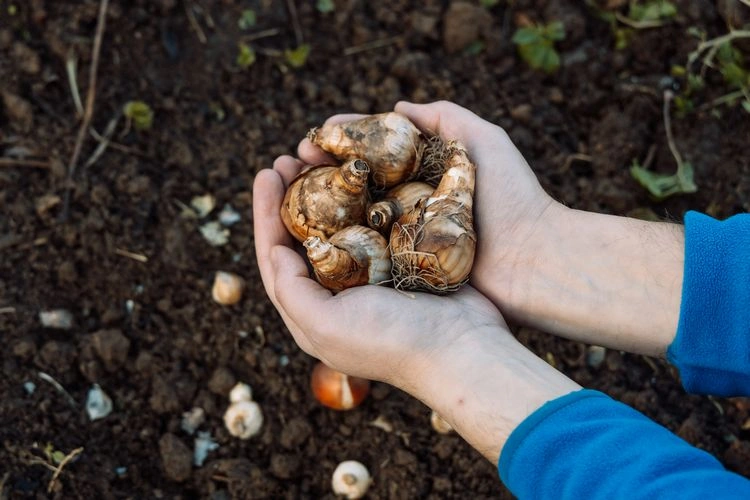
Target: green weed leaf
[526, 36]
[655, 10]
[246, 56]
[298, 57]
[662, 186]
[247, 19]
[536, 45]
[140, 114]
[325, 6]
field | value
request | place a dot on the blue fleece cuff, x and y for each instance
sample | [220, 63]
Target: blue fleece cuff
[586, 445]
[712, 346]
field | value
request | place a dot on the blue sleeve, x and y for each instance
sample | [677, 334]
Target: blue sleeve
[712, 346]
[586, 445]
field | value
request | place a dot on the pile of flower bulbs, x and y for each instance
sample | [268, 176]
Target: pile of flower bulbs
[397, 210]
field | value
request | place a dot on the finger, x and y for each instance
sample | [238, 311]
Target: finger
[268, 228]
[449, 120]
[314, 155]
[287, 167]
[302, 299]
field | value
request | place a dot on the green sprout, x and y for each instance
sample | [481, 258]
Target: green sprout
[662, 186]
[536, 45]
[297, 58]
[654, 11]
[139, 114]
[247, 19]
[325, 6]
[245, 56]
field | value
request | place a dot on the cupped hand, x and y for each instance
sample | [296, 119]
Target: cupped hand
[509, 202]
[369, 331]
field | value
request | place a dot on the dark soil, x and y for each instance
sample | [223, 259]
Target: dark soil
[144, 326]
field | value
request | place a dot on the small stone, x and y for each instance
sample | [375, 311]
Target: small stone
[215, 234]
[295, 433]
[176, 458]
[18, 110]
[284, 466]
[26, 58]
[60, 319]
[221, 381]
[192, 419]
[29, 387]
[229, 216]
[112, 347]
[45, 203]
[202, 445]
[595, 356]
[98, 403]
[522, 113]
[463, 23]
[24, 348]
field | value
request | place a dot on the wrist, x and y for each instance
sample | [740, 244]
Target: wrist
[485, 384]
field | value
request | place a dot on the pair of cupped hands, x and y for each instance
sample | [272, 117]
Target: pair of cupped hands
[595, 278]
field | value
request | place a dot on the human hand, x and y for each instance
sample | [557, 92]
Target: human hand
[600, 279]
[455, 352]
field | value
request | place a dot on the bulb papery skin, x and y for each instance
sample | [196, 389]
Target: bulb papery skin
[324, 199]
[433, 245]
[389, 142]
[402, 198]
[354, 256]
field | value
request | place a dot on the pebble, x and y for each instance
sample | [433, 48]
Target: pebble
[222, 380]
[112, 347]
[18, 110]
[98, 403]
[463, 23]
[176, 458]
[26, 58]
[60, 319]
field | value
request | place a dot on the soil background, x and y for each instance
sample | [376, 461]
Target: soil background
[145, 328]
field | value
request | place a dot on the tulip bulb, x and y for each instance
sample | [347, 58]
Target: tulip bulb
[388, 142]
[227, 288]
[354, 256]
[337, 390]
[402, 198]
[325, 199]
[433, 245]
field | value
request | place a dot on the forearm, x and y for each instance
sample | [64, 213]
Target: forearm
[485, 385]
[599, 279]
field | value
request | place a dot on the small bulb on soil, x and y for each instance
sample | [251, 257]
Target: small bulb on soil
[438, 423]
[240, 392]
[227, 289]
[351, 479]
[243, 419]
[337, 390]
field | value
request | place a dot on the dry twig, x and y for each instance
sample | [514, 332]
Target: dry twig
[59, 387]
[295, 22]
[131, 255]
[20, 162]
[194, 22]
[89, 110]
[373, 45]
